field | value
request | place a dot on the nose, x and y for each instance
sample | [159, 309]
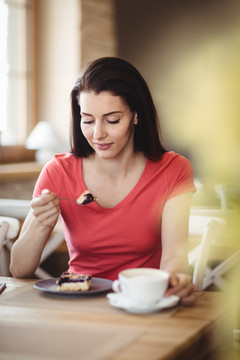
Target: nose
[99, 131]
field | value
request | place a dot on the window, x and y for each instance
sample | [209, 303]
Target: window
[15, 70]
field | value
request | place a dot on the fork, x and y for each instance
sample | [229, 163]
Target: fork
[88, 199]
[67, 199]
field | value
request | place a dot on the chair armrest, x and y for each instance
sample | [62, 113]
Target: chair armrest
[14, 208]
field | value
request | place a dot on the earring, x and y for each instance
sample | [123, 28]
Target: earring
[135, 120]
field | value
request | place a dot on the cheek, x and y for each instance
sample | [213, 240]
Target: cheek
[127, 131]
[86, 131]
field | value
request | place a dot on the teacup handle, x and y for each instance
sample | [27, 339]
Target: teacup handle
[116, 286]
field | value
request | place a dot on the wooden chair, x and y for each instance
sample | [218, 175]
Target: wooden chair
[218, 222]
[20, 209]
[9, 228]
[229, 195]
[209, 229]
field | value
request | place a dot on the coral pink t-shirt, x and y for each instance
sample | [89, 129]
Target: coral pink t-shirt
[103, 241]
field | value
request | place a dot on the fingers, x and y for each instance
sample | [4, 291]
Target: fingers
[49, 217]
[45, 199]
[188, 300]
[45, 191]
[46, 208]
[178, 282]
[185, 291]
[182, 286]
[173, 280]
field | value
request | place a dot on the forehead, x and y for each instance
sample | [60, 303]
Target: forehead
[105, 100]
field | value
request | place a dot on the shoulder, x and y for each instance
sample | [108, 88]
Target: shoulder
[175, 171]
[178, 165]
[173, 162]
[62, 164]
[65, 160]
[176, 158]
[179, 174]
[55, 173]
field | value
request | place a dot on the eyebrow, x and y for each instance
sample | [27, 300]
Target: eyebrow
[107, 114]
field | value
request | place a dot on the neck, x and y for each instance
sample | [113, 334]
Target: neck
[117, 167]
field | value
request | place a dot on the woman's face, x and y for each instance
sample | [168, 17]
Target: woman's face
[107, 123]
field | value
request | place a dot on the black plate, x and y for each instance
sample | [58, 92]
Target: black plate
[98, 286]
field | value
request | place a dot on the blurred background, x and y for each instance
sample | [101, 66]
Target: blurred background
[187, 51]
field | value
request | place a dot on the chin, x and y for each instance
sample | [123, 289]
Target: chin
[106, 154]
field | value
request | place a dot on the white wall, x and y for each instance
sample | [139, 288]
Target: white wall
[189, 53]
[58, 60]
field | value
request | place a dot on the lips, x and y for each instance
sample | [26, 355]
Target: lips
[103, 146]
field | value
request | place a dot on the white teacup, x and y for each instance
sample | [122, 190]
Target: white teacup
[142, 286]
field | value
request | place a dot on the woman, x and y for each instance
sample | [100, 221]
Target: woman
[140, 218]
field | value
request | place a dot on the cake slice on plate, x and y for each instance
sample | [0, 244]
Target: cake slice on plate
[74, 282]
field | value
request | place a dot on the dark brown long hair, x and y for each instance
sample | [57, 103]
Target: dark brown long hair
[121, 79]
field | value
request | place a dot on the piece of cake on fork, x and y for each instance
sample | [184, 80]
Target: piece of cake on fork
[85, 198]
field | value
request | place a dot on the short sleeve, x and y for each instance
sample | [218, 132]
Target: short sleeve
[180, 177]
[49, 178]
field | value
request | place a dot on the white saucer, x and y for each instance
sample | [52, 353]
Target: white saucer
[120, 301]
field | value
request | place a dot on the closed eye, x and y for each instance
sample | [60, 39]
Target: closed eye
[85, 121]
[113, 121]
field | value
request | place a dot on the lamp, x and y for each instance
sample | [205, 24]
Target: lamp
[44, 139]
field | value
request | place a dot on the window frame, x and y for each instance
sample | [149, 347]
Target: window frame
[17, 152]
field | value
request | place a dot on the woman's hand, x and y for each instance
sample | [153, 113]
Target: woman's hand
[180, 284]
[35, 232]
[46, 209]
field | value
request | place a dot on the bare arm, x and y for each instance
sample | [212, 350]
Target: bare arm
[36, 230]
[175, 219]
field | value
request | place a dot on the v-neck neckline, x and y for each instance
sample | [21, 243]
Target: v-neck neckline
[126, 199]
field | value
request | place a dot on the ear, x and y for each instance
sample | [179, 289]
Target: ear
[135, 121]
